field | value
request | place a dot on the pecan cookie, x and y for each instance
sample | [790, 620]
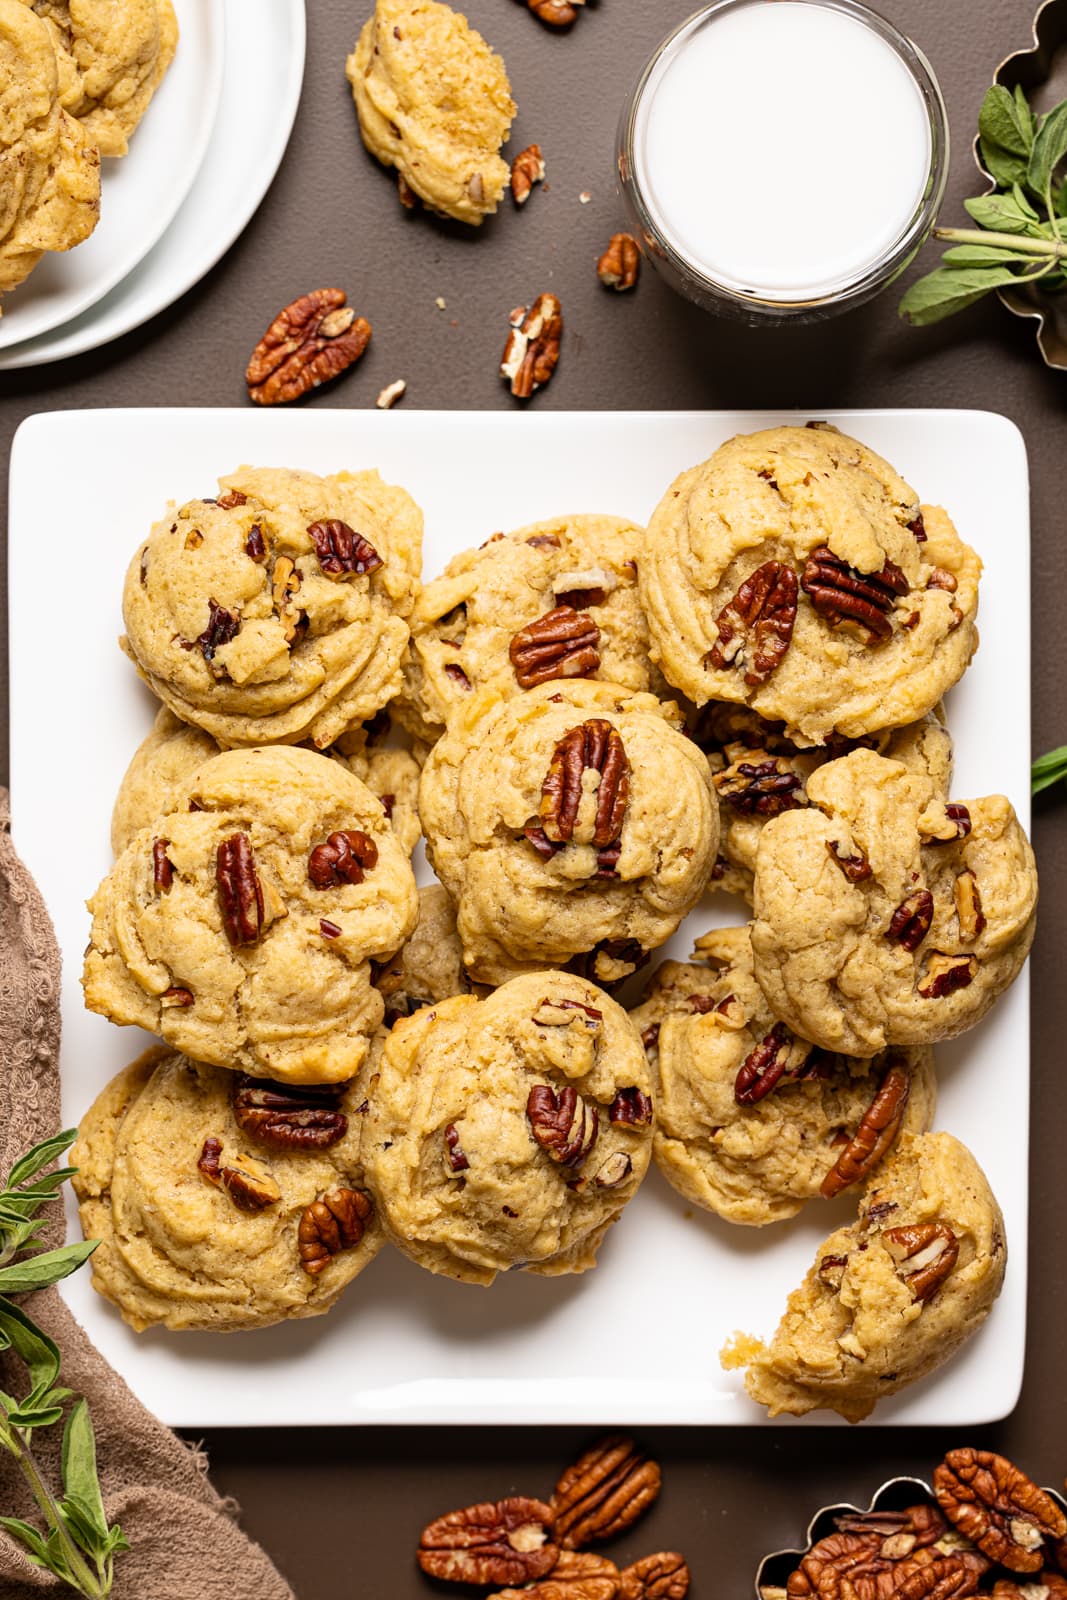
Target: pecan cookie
[277, 612]
[433, 101]
[112, 59]
[571, 821]
[49, 164]
[212, 1209]
[242, 925]
[796, 572]
[554, 600]
[891, 1296]
[173, 751]
[752, 1121]
[885, 916]
[758, 773]
[509, 1131]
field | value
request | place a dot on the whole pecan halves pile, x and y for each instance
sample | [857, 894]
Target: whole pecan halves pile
[999, 1509]
[314, 339]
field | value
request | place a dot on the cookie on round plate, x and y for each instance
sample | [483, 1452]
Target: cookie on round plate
[752, 1122]
[242, 926]
[221, 1203]
[276, 613]
[892, 1295]
[797, 573]
[508, 1132]
[574, 820]
[885, 916]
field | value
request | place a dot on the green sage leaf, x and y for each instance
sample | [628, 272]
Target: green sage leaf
[1000, 212]
[35, 1546]
[1021, 199]
[1003, 120]
[81, 1486]
[1001, 165]
[34, 1347]
[947, 290]
[1048, 769]
[987, 255]
[1050, 147]
[38, 1272]
[41, 1156]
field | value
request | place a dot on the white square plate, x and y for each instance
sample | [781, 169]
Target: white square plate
[637, 1340]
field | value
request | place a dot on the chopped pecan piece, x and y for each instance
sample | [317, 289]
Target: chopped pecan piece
[632, 1107]
[194, 539]
[557, 1013]
[929, 1250]
[618, 267]
[945, 974]
[664, 1576]
[605, 1491]
[493, 1543]
[328, 929]
[878, 1129]
[940, 579]
[841, 593]
[756, 626]
[240, 891]
[176, 996]
[616, 1170]
[563, 1125]
[222, 626]
[341, 551]
[910, 922]
[577, 1575]
[855, 867]
[760, 788]
[969, 906]
[998, 1508]
[532, 350]
[312, 340]
[767, 1065]
[335, 1222]
[162, 866]
[917, 527]
[561, 644]
[527, 169]
[289, 1116]
[596, 745]
[344, 857]
[231, 499]
[557, 13]
[284, 583]
[650, 1036]
[247, 1181]
[457, 1156]
[255, 548]
[454, 671]
[945, 825]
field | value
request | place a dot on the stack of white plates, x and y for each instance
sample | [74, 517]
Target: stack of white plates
[199, 164]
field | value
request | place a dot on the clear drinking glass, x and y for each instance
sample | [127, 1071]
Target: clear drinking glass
[720, 292]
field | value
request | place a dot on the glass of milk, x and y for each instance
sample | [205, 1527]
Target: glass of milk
[784, 159]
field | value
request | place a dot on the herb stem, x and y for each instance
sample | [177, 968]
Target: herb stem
[81, 1577]
[1019, 244]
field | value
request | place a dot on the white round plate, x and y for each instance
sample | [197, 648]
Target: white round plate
[262, 75]
[140, 192]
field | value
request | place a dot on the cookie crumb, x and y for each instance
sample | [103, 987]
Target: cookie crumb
[388, 397]
[441, 303]
[584, 198]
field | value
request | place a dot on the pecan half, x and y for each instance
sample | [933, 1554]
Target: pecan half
[577, 1575]
[527, 169]
[222, 626]
[969, 906]
[945, 974]
[756, 626]
[760, 788]
[929, 1250]
[767, 1065]
[561, 644]
[247, 1181]
[240, 891]
[878, 1129]
[344, 857]
[312, 340]
[336, 1221]
[901, 1532]
[664, 1576]
[841, 593]
[998, 1508]
[341, 551]
[457, 1156]
[162, 865]
[532, 350]
[493, 1543]
[618, 267]
[1047, 1585]
[563, 1125]
[947, 1577]
[910, 922]
[557, 13]
[605, 1491]
[596, 745]
[289, 1116]
[632, 1107]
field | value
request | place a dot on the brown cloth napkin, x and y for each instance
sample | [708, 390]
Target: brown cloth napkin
[186, 1544]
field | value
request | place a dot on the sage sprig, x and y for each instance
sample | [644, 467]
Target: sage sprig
[76, 1543]
[1021, 233]
[1048, 769]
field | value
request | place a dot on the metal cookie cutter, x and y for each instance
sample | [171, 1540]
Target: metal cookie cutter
[1034, 68]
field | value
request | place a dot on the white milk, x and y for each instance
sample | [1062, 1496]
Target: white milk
[782, 148]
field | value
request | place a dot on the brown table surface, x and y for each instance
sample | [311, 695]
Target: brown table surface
[340, 1509]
